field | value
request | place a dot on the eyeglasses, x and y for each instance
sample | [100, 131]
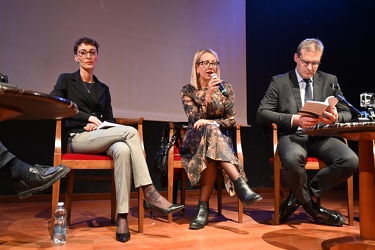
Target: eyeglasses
[84, 53]
[207, 64]
[306, 63]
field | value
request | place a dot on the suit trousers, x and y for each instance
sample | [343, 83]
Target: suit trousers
[123, 144]
[5, 156]
[341, 163]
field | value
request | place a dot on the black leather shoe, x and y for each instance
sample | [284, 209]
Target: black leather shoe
[39, 178]
[164, 211]
[201, 220]
[288, 207]
[329, 217]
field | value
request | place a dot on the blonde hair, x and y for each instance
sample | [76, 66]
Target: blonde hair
[194, 80]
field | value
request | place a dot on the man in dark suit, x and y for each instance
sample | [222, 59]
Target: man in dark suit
[29, 179]
[283, 99]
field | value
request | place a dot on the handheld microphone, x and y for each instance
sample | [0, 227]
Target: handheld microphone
[221, 86]
[336, 93]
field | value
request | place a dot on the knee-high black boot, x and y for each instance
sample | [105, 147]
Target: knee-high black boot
[202, 217]
[244, 192]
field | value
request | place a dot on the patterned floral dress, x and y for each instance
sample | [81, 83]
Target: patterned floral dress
[210, 142]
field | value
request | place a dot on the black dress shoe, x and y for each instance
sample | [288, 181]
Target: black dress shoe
[288, 207]
[39, 178]
[164, 211]
[329, 217]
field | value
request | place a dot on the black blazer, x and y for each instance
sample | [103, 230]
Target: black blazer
[283, 99]
[71, 87]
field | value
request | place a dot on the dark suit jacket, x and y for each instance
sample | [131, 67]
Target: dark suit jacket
[283, 99]
[71, 87]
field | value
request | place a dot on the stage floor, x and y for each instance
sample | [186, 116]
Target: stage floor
[25, 226]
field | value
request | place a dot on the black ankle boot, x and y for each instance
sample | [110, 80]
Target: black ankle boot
[202, 217]
[244, 192]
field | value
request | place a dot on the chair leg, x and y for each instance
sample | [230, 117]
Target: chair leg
[350, 201]
[175, 190]
[277, 183]
[183, 189]
[69, 195]
[113, 197]
[141, 210]
[240, 211]
[170, 189]
[219, 189]
[55, 200]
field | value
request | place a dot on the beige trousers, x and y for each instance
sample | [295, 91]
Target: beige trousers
[124, 146]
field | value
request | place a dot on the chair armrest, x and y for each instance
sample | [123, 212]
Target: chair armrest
[129, 121]
[57, 150]
[275, 139]
[239, 143]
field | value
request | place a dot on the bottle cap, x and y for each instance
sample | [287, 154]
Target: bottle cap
[60, 204]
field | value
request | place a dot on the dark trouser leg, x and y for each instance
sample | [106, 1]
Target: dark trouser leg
[341, 162]
[292, 151]
[17, 168]
[5, 156]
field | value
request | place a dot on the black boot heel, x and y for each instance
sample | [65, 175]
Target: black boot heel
[201, 220]
[244, 192]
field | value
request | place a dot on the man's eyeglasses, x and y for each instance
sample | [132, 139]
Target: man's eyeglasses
[306, 63]
[207, 64]
[84, 53]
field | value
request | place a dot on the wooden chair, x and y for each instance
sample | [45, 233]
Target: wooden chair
[91, 162]
[174, 163]
[312, 164]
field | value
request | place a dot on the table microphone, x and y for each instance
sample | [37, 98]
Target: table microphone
[337, 94]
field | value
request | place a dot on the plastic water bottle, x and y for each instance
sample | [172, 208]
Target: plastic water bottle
[59, 227]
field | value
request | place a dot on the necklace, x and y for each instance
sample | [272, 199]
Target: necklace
[87, 88]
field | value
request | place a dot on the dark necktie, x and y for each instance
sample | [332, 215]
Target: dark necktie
[308, 91]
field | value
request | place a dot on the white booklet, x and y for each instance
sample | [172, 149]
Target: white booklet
[316, 108]
[106, 124]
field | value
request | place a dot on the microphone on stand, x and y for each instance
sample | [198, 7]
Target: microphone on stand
[337, 94]
[221, 86]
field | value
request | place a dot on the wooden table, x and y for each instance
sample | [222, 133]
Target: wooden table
[364, 133]
[22, 104]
